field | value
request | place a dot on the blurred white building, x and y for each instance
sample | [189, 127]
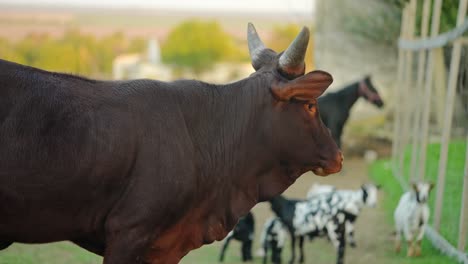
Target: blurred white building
[149, 65]
[137, 66]
[223, 72]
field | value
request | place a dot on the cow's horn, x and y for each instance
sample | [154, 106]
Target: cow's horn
[256, 46]
[291, 61]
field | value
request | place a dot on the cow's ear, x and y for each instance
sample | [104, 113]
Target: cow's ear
[304, 88]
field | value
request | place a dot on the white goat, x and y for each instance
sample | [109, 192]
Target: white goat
[411, 217]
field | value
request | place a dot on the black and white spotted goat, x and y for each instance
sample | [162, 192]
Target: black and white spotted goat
[312, 217]
[243, 232]
[351, 202]
[272, 239]
[411, 216]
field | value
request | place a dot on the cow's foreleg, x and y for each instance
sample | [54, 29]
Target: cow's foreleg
[90, 245]
[127, 247]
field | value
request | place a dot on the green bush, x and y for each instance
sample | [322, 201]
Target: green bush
[74, 52]
[198, 45]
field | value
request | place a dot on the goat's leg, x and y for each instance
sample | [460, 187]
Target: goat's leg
[409, 239]
[301, 248]
[247, 250]
[293, 248]
[278, 251]
[410, 252]
[341, 234]
[417, 248]
[223, 249]
[275, 253]
[350, 233]
[331, 231]
[265, 251]
[398, 241]
[419, 237]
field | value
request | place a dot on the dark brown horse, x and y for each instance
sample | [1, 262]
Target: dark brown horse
[336, 106]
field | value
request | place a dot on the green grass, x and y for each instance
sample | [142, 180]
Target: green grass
[53, 253]
[381, 173]
[209, 254]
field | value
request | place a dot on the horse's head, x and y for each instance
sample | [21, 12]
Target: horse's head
[368, 91]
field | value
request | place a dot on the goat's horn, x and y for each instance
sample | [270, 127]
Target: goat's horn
[291, 61]
[256, 46]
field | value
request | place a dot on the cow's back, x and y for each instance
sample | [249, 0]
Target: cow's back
[66, 146]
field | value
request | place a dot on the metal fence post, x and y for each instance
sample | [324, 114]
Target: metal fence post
[419, 89]
[398, 94]
[405, 101]
[449, 105]
[428, 91]
[463, 223]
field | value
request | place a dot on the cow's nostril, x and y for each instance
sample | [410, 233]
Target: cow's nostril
[341, 157]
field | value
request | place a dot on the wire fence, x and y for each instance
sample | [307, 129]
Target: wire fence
[430, 139]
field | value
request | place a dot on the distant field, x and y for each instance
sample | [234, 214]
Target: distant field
[16, 22]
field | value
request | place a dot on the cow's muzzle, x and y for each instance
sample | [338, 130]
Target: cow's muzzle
[330, 166]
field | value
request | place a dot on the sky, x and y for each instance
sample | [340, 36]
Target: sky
[286, 6]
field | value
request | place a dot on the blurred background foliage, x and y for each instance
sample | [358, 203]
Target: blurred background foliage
[198, 45]
[382, 24]
[74, 52]
[195, 45]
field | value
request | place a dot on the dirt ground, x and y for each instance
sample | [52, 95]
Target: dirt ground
[373, 233]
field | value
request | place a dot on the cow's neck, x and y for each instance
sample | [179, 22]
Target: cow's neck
[229, 145]
[232, 161]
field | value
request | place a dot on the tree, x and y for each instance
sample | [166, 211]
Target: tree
[74, 52]
[379, 23]
[382, 24]
[8, 52]
[197, 45]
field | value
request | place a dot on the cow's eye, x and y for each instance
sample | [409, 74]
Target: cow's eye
[312, 108]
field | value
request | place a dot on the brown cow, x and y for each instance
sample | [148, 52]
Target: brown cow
[144, 171]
